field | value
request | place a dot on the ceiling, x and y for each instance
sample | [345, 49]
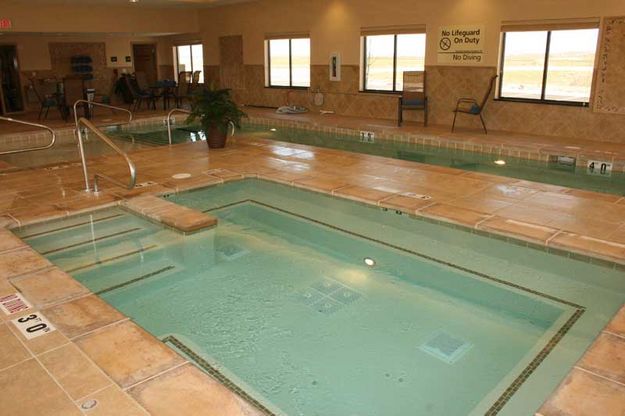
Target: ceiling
[139, 3]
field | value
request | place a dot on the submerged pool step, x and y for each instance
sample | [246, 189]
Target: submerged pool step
[91, 240]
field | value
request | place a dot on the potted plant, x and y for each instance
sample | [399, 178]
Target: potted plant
[216, 111]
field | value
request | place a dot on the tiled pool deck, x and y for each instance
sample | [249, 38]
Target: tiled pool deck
[98, 354]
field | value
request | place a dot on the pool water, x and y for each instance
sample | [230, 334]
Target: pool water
[532, 170]
[278, 300]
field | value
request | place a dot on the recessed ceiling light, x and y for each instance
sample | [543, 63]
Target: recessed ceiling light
[369, 261]
[500, 162]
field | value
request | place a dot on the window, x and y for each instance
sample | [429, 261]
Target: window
[189, 58]
[548, 65]
[288, 62]
[386, 57]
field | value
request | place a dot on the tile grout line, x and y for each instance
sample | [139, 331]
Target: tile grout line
[598, 375]
[557, 233]
[120, 321]
[614, 334]
[152, 377]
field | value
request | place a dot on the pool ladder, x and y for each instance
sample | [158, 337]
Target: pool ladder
[83, 122]
[29, 149]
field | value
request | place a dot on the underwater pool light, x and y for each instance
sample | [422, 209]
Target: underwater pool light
[272, 129]
[369, 261]
[500, 162]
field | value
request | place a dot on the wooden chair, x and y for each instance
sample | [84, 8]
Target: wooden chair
[472, 107]
[413, 96]
[184, 84]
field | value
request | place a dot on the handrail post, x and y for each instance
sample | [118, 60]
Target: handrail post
[131, 166]
[81, 146]
[173, 110]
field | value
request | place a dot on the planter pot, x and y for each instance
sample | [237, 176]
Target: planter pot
[215, 138]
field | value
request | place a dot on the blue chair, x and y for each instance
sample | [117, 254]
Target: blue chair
[413, 96]
[472, 107]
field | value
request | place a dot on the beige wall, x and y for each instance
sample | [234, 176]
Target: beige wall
[34, 53]
[99, 19]
[334, 25]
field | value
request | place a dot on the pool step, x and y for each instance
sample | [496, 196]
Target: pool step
[183, 219]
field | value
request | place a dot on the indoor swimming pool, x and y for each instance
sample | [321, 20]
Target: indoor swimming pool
[306, 304]
[556, 173]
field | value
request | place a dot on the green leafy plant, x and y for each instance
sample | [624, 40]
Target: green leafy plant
[215, 109]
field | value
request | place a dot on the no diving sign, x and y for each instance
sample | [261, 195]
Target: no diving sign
[461, 45]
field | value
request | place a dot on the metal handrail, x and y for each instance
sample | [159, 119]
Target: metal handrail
[29, 149]
[174, 110]
[131, 166]
[182, 110]
[91, 103]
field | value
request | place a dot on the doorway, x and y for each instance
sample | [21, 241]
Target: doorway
[11, 91]
[145, 61]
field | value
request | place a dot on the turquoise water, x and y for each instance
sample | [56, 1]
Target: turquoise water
[279, 300]
[551, 173]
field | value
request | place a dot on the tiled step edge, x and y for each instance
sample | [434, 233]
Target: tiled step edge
[179, 218]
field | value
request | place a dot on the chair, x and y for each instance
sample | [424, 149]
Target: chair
[139, 96]
[45, 100]
[472, 107]
[183, 90]
[195, 81]
[413, 96]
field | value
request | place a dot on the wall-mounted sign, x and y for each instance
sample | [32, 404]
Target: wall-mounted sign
[5, 23]
[461, 45]
[335, 66]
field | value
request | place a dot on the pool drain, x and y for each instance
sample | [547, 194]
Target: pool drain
[89, 404]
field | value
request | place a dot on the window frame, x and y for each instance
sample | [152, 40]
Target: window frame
[268, 63]
[394, 91]
[542, 99]
[190, 46]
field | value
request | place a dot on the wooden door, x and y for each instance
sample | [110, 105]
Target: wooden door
[145, 61]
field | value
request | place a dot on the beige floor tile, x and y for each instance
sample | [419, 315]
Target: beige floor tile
[591, 246]
[617, 324]
[583, 394]
[27, 390]
[454, 214]
[363, 193]
[48, 287]
[82, 315]
[112, 401]
[606, 357]
[43, 343]
[8, 241]
[11, 349]
[18, 262]
[75, 372]
[321, 183]
[127, 353]
[406, 202]
[520, 229]
[188, 391]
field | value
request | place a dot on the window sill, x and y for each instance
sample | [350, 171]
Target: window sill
[397, 94]
[281, 87]
[544, 102]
